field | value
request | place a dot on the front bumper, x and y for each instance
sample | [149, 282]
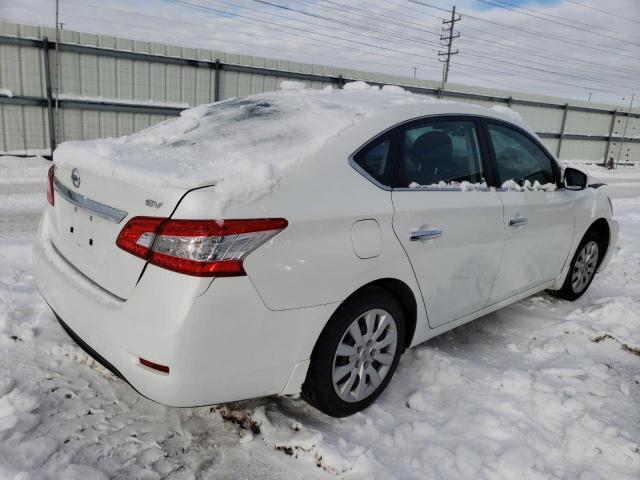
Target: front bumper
[221, 344]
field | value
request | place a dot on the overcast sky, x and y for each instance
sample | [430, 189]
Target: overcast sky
[554, 47]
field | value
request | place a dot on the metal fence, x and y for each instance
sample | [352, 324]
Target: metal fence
[91, 86]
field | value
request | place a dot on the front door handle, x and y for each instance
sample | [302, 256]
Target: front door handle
[425, 235]
[518, 222]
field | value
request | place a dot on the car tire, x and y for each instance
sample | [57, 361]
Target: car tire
[583, 267]
[347, 374]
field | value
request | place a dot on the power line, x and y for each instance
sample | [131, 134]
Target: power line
[555, 61]
[581, 75]
[477, 55]
[380, 17]
[219, 12]
[535, 33]
[360, 27]
[602, 11]
[200, 37]
[527, 76]
[535, 15]
[539, 34]
[559, 56]
[500, 45]
[546, 14]
[564, 53]
[557, 73]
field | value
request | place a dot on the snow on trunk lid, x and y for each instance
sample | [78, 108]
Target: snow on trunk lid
[243, 145]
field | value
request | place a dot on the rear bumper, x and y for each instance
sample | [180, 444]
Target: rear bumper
[221, 343]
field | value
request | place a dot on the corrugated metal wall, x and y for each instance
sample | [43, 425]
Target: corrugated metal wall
[91, 77]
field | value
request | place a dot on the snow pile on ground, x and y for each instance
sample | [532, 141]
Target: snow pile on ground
[5, 92]
[543, 389]
[19, 170]
[22, 194]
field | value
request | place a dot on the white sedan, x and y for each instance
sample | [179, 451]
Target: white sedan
[299, 242]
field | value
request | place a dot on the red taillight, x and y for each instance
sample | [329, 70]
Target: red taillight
[50, 175]
[204, 248]
[137, 235]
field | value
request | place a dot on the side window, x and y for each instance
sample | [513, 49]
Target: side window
[375, 159]
[519, 158]
[440, 151]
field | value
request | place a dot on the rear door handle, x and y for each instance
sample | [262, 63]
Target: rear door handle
[518, 221]
[424, 235]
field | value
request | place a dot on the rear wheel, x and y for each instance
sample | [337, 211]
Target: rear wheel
[583, 267]
[356, 354]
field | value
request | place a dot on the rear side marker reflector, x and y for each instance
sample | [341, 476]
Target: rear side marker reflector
[203, 248]
[155, 366]
[50, 176]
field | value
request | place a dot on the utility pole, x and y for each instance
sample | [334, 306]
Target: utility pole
[57, 121]
[624, 132]
[415, 70]
[447, 26]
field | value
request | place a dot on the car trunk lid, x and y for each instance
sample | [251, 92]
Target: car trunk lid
[88, 214]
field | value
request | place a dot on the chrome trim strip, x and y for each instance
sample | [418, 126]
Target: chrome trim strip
[96, 208]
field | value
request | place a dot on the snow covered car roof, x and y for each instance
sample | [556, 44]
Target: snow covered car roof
[250, 142]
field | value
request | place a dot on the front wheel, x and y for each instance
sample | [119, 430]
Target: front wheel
[583, 268]
[356, 354]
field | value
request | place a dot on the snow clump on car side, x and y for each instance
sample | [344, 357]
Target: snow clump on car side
[513, 186]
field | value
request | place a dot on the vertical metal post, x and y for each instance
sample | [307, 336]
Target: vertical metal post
[613, 125]
[216, 90]
[47, 81]
[564, 122]
[624, 133]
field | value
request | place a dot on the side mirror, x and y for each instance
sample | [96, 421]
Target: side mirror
[574, 179]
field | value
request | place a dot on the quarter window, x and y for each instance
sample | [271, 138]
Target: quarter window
[519, 158]
[374, 159]
[440, 151]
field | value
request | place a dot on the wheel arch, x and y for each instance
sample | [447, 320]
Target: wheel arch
[403, 294]
[601, 228]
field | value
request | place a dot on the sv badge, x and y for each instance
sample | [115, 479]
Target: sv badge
[152, 203]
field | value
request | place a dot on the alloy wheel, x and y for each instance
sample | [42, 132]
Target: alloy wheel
[584, 267]
[364, 355]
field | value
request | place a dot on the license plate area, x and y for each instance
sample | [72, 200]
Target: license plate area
[84, 232]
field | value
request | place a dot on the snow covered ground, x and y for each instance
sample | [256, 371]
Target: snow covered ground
[542, 389]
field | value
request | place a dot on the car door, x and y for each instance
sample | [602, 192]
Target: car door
[538, 216]
[448, 221]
